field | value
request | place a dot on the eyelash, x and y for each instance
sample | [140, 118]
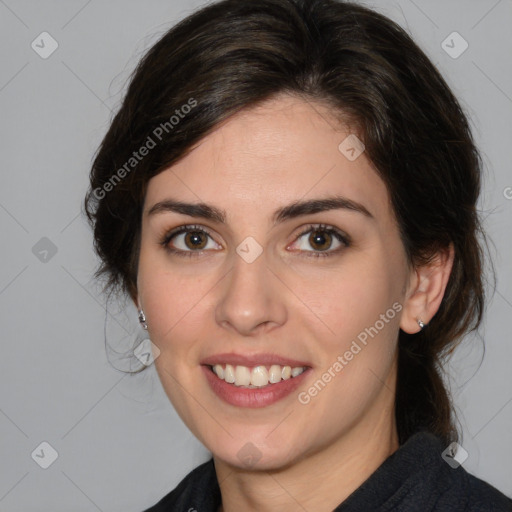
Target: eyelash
[341, 237]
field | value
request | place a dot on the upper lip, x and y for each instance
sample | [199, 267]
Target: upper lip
[252, 360]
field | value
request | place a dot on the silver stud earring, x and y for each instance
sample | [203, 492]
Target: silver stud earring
[142, 320]
[421, 324]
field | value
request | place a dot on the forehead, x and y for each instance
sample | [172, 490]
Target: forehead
[283, 150]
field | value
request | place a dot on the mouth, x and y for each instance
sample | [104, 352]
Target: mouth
[255, 377]
[254, 381]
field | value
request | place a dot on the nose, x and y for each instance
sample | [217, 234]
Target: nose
[252, 298]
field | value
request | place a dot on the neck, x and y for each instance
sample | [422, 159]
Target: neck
[319, 481]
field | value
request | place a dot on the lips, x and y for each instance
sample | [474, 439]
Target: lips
[252, 398]
[241, 395]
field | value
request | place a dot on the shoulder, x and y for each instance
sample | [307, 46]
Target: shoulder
[198, 491]
[418, 478]
[454, 488]
[482, 496]
[459, 490]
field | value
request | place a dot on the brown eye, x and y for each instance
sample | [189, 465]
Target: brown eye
[195, 240]
[188, 241]
[320, 240]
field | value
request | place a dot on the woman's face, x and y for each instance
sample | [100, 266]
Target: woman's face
[257, 281]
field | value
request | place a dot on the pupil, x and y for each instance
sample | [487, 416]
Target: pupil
[320, 240]
[194, 237]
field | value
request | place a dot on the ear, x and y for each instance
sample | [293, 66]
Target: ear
[426, 290]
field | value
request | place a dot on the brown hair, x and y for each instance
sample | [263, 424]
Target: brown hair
[234, 54]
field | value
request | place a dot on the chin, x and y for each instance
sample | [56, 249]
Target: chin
[255, 453]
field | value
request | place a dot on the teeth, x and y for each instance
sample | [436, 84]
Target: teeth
[286, 372]
[297, 371]
[219, 371]
[242, 376]
[258, 376]
[229, 374]
[274, 374]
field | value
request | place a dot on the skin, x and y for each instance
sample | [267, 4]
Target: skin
[312, 455]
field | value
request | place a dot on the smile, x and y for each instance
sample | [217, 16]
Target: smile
[256, 377]
[248, 395]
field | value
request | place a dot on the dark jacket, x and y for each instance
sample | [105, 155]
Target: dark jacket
[413, 479]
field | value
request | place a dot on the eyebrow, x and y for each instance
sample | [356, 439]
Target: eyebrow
[291, 211]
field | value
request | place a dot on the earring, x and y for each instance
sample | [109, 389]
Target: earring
[142, 320]
[421, 324]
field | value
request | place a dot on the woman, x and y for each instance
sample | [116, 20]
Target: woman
[288, 195]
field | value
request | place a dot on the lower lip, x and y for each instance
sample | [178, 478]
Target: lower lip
[252, 397]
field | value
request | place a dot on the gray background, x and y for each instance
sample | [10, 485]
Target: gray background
[120, 445]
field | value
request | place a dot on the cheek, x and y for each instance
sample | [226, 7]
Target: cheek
[344, 300]
[172, 300]
[355, 325]
[174, 307]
